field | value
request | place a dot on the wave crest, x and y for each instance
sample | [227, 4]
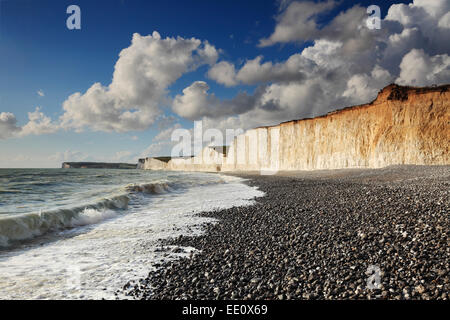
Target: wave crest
[150, 188]
[30, 225]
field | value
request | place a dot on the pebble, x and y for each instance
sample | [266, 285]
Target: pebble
[323, 229]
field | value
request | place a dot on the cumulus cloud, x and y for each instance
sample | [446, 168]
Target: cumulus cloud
[444, 21]
[429, 18]
[196, 102]
[347, 63]
[37, 124]
[142, 75]
[302, 86]
[418, 12]
[419, 69]
[255, 71]
[8, 125]
[133, 100]
[224, 73]
[297, 22]
[364, 87]
[294, 69]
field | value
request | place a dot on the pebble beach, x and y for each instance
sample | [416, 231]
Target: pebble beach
[335, 234]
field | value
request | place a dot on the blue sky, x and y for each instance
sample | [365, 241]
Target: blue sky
[38, 53]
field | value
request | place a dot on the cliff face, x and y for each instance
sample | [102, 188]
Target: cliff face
[404, 125]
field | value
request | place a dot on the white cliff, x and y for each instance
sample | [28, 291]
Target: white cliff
[404, 125]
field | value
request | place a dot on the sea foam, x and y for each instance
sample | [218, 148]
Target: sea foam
[95, 260]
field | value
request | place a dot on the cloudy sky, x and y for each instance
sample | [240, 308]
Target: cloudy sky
[116, 89]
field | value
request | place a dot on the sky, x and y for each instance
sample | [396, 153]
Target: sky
[116, 89]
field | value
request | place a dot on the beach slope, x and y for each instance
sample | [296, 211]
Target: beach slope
[337, 234]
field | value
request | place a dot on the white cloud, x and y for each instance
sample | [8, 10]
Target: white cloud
[142, 75]
[223, 73]
[430, 18]
[196, 102]
[325, 53]
[419, 69]
[347, 64]
[8, 127]
[361, 88]
[418, 11]
[255, 71]
[37, 124]
[40, 93]
[305, 85]
[297, 22]
[293, 69]
[444, 22]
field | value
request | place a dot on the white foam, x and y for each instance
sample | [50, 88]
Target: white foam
[30, 225]
[92, 262]
[92, 216]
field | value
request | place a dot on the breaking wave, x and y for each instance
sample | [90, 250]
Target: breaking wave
[166, 186]
[26, 226]
[151, 188]
[30, 225]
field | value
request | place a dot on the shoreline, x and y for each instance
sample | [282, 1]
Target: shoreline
[106, 240]
[318, 235]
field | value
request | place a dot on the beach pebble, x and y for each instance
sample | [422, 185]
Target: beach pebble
[365, 234]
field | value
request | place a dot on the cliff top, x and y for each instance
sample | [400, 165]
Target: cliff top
[390, 92]
[396, 92]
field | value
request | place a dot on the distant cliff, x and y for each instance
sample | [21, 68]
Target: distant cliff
[403, 125]
[98, 165]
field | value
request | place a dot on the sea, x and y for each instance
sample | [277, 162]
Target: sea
[85, 233]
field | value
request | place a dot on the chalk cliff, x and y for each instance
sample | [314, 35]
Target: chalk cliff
[403, 125]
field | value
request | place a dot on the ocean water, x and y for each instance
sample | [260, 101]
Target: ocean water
[84, 233]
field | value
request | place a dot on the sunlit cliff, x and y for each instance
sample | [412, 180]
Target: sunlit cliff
[403, 125]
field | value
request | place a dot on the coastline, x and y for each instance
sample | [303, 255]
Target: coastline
[97, 245]
[315, 235]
